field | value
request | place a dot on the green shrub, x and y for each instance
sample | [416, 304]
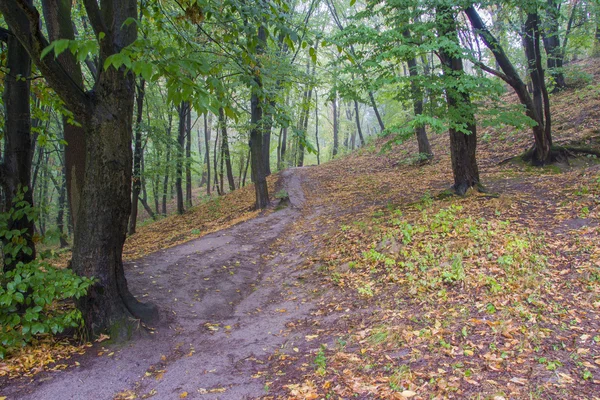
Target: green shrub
[32, 303]
[33, 295]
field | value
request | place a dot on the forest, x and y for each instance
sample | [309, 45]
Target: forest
[310, 199]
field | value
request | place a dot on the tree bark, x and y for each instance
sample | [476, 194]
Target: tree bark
[137, 158]
[225, 149]
[460, 110]
[256, 133]
[358, 127]
[106, 117]
[207, 152]
[57, 15]
[542, 145]
[317, 128]
[184, 109]
[15, 171]
[417, 95]
[188, 159]
[336, 126]
[551, 41]
[167, 163]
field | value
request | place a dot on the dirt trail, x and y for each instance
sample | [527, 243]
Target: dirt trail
[223, 307]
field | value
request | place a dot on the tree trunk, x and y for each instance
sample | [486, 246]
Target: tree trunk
[216, 163]
[246, 168]
[551, 40]
[15, 171]
[188, 159]
[376, 110]
[137, 158]
[207, 125]
[57, 15]
[541, 100]
[542, 146]
[336, 126]
[167, 163]
[256, 133]
[184, 109]
[460, 110]
[317, 128]
[358, 128]
[417, 95]
[225, 149]
[283, 147]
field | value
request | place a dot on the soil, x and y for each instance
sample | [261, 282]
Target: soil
[225, 300]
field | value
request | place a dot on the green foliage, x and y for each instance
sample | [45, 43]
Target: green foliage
[31, 299]
[13, 240]
[32, 295]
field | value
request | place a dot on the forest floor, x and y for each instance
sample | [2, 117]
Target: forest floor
[369, 285]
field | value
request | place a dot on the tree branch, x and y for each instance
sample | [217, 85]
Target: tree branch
[23, 20]
[492, 71]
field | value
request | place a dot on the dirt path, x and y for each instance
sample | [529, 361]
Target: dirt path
[225, 300]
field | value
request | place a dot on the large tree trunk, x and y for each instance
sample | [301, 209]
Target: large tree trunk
[15, 171]
[57, 15]
[137, 158]
[542, 143]
[106, 116]
[256, 133]
[460, 110]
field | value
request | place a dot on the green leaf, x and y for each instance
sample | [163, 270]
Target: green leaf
[313, 54]
[47, 50]
[60, 46]
[352, 2]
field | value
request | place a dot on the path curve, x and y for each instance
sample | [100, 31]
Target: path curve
[223, 307]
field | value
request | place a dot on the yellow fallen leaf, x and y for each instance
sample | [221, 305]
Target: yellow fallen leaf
[183, 395]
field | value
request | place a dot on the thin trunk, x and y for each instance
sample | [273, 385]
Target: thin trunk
[207, 125]
[417, 95]
[376, 110]
[358, 127]
[279, 149]
[216, 163]
[317, 128]
[246, 168]
[184, 109]
[167, 163]
[137, 158]
[283, 147]
[188, 159]
[225, 149]
[336, 127]
[460, 110]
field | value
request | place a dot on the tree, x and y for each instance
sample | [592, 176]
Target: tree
[462, 129]
[15, 168]
[105, 114]
[541, 152]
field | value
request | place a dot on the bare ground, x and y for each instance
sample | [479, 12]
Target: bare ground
[225, 300]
